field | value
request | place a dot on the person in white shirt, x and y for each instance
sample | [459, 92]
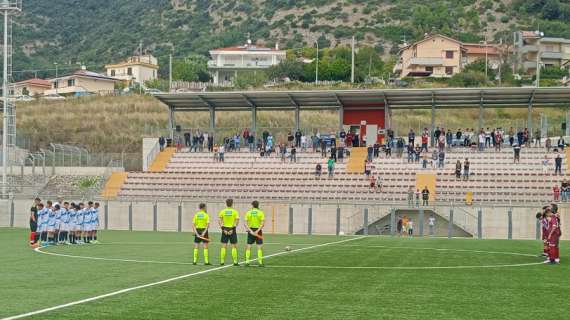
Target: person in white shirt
[410, 227]
[431, 224]
[545, 165]
[303, 143]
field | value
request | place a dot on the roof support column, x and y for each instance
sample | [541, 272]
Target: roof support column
[387, 116]
[297, 118]
[253, 119]
[340, 118]
[529, 124]
[171, 122]
[213, 121]
[432, 119]
[481, 113]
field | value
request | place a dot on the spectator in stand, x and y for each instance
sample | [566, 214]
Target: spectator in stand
[187, 139]
[561, 143]
[388, 150]
[314, 142]
[216, 151]
[548, 144]
[265, 135]
[379, 184]
[318, 170]
[298, 136]
[411, 196]
[434, 158]
[511, 136]
[458, 136]
[425, 139]
[482, 140]
[210, 143]
[237, 142]
[245, 134]
[417, 154]
[449, 138]
[342, 135]
[161, 143]
[330, 167]
[493, 137]
[411, 137]
[425, 196]
[200, 142]
[368, 168]
[498, 140]
[400, 148]
[436, 135]
[545, 165]
[537, 138]
[458, 169]
[251, 142]
[294, 154]
[304, 143]
[526, 137]
[441, 143]
[283, 152]
[372, 181]
[410, 228]
[411, 153]
[520, 138]
[466, 165]
[424, 160]
[431, 224]
[349, 138]
[340, 154]
[400, 226]
[333, 152]
[270, 141]
[556, 192]
[376, 150]
[487, 137]
[517, 153]
[441, 158]
[222, 151]
[370, 152]
[557, 164]
[323, 148]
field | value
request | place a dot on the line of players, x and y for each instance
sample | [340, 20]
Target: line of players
[549, 219]
[228, 221]
[64, 223]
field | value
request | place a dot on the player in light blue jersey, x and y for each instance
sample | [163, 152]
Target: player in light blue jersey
[52, 213]
[95, 221]
[79, 222]
[64, 224]
[72, 222]
[57, 221]
[86, 224]
[42, 223]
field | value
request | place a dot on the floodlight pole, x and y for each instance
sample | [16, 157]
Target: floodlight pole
[352, 61]
[317, 67]
[5, 111]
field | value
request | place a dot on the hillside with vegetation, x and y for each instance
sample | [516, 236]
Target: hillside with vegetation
[95, 32]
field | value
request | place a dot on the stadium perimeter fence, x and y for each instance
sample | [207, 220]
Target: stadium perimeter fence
[482, 222]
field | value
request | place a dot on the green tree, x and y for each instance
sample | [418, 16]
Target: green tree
[288, 68]
[250, 79]
[479, 66]
[25, 92]
[468, 79]
[191, 68]
[368, 64]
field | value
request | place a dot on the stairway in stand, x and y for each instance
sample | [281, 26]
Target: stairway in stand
[357, 160]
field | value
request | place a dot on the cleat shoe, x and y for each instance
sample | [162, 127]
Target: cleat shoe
[546, 261]
[261, 265]
[236, 264]
[207, 264]
[221, 264]
[193, 263]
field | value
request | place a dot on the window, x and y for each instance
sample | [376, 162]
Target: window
[71, 82]
[449, 70]
[130, 71]
[112, 73]
[429, 69]
[449, 54]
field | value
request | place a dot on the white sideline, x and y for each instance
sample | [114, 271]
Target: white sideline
[114, 293]
[412, 268]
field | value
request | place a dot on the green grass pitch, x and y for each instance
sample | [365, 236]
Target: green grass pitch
[322, 277]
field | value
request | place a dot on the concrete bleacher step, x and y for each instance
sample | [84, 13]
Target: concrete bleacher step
[162, 160]
[114, 185]
[356, 161]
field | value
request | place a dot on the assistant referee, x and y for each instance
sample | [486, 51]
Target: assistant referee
[228, 221]
[254, 222]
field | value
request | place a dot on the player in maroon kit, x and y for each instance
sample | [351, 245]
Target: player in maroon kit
[553, 238]
[541, 217]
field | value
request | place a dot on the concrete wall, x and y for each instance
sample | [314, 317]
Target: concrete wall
[324, 217]
[66, 171]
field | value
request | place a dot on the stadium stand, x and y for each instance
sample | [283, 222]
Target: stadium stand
[493, 179]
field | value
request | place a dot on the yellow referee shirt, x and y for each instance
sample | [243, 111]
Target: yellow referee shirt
[229, 217]
[201, 219]
[254, 218]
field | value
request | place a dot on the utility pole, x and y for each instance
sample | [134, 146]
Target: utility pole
[352, 59]
[56, 76]
[538, 56]
[486, 59]
[170, 73]
[317, 67]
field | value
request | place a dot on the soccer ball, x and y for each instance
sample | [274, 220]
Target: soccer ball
[287, 248]
[341, 233]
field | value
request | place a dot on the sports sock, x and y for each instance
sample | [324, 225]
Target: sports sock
[206, 256]
[95, 237]
[234, 255]
[222, 255]
[195, 255]
[247, 255]
[260, 256]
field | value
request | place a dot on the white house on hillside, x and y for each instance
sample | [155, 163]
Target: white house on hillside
[137, 69]
[80, 82]
[227, 62]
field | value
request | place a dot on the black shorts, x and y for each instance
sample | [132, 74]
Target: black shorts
[33, 226]
[229, 235]
[251, 239]
[199, 240]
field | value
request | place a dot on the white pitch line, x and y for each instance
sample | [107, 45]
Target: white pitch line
[444, 249]
[409, 268]
[152, 284]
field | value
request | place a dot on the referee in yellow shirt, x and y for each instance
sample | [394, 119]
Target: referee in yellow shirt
[201, 223]
[254, 222]
[228, 220]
